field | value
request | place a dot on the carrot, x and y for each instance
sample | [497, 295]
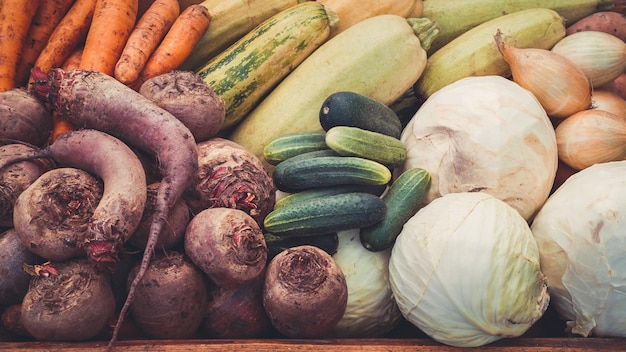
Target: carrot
[178, 43]
[48, 15]
[113, 21]
[15, 19]
[67, 35]
[145, 37]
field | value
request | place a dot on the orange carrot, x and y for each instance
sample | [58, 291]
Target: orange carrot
[15, 19]
[47, 17]
[144, 39]
[112, 23]
[68, 34]
[178, 43]
[61, 126]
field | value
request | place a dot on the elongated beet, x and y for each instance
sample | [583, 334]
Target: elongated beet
[15, 178]
[24, 118]
[95, 100]
[52, 216]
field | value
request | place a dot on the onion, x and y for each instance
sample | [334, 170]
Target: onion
[590, 137]
[561, 87]
[600, 55]
[608, 101]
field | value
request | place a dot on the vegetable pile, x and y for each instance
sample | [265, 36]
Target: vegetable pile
[327, 169]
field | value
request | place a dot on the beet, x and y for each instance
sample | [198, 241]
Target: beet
[15, 178]
[172, 233]
[227, 245]
[185, 95]
[24, 117]
[11, 319]
[237, 313]
[13, 279]
[73, 305]
[229, 176]
[171, 298]
[52, 215]
[305, 292]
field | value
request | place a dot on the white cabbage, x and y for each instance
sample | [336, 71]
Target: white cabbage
[465, 270]
[581, 233]
[484, 133]
[372, 310]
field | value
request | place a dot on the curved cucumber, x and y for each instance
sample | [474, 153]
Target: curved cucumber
[288, 145]
[355, 141]
[326, 214]
[403, 199]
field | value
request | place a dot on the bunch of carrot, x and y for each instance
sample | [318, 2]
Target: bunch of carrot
[110, 36]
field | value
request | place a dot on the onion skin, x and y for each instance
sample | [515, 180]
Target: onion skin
[73, 305]
[305, 292]
[608, 101]
[227, 245]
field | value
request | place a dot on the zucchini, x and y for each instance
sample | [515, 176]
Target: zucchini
[327, 242]
[380, 57]
[299, 173]
[228, 25]
[354, 141]
[404, 198]
[291, 144]
[357, 110]
[327, 191]
[247, 70]
[325, 215]
[456, 17]
[475, 53]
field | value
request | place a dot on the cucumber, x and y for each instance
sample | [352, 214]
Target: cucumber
[403, 199]
[299, 173]
[252, 66]
[355, 141]
[357, 110]
[288, 145]
[326, 214]
[327, 242]
[301, 196]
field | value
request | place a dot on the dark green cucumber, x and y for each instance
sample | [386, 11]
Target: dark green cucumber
[403, 199]
[300, 173]
[346, 108]
[355, 141]
[301, 196]
[328, 242]
[289, 145]
[326, 214]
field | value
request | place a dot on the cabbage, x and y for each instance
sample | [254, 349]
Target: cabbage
[465, 270]
[581, 233]
[484, 133]
[372, 310]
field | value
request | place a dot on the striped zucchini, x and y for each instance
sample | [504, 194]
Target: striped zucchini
[228, 25]
[404, 198]
[297, 174]
[325, 215]
[355, 141]
[475, 53]
[456, 17]
[291, 144]
[247, 70]
[380, 57]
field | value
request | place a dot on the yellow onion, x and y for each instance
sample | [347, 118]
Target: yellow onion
[601, 56]
[561, 87]
[590, 137]
[608, 101]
